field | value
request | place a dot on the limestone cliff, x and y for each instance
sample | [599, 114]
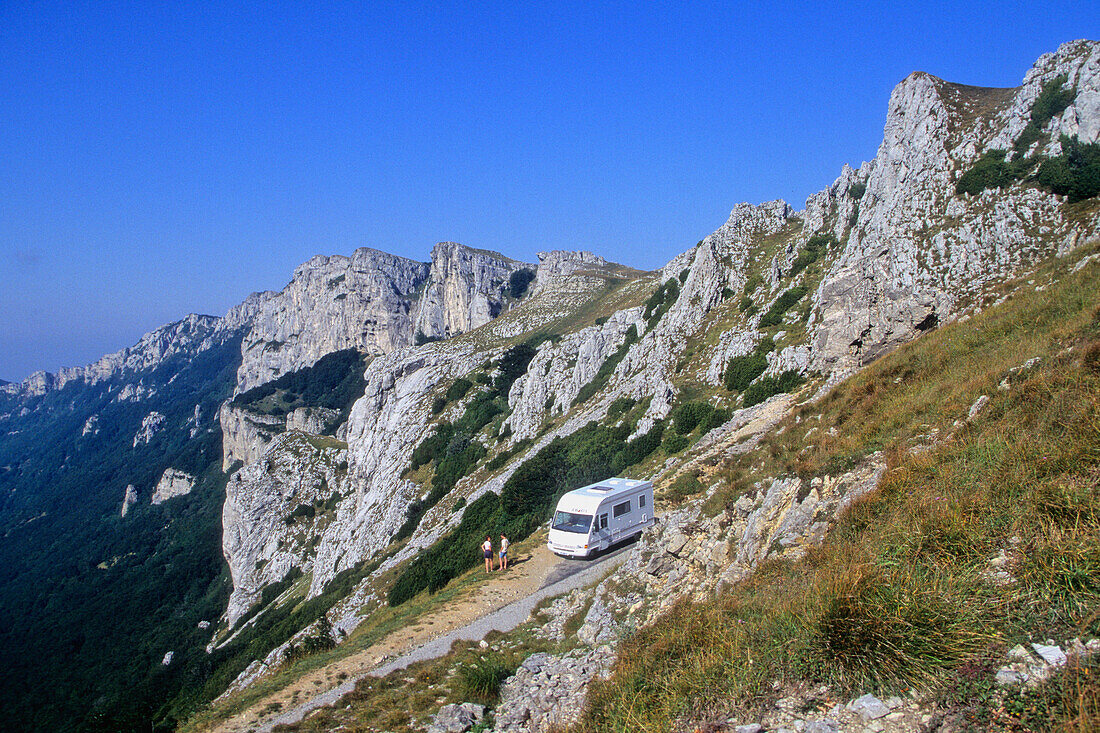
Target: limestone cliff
[916, 246]
[466, 288]
[331, 303]
[275, 511]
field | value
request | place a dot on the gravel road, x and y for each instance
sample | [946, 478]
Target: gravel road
[566, 575]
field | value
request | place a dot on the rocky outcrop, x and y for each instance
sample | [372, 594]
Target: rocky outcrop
[172, 483]
[275, 512]
[456, 718]
[129, 498]
[917, 247]
[547, 692]
[246, 435]
[151, 424]
[331, 303]
[91, 426]
[558, 264]
[313, 420]
[385, 425]
[466, 288]
[560, 370]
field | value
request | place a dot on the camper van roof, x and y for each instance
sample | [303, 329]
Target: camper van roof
[589, 497]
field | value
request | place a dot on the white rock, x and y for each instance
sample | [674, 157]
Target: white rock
[172, 483]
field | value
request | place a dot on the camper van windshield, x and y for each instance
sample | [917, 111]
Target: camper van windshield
[570, 522]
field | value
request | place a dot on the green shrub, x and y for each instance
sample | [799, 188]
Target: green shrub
[1027, 138]
[661, 300]
[1075, 173]
[620, 406]
[1052, 101]
[504, 456]
[518, 282]
[989, 171]
[335, 382]
[766, 387]
[856, 190]
[674, 443]
[745, 303]
[817, 246]
[420, 339]
[684, 275]
[782, 304]
[689, 415]
[301, 511]
[438, 404]
[458, 389]
[481, 680]
[741, 370]
[716, 418]
[685, 485]
[638, 449]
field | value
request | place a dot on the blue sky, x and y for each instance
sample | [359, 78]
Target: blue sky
[159, 159]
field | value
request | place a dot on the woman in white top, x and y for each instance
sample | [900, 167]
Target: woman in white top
[487, 552]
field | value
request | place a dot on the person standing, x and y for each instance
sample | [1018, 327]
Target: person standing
[503, 563]
[487, 552]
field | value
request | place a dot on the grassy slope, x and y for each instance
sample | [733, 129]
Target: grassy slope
[894, 599]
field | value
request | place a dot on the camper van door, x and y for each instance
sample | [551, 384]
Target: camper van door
[600, 532]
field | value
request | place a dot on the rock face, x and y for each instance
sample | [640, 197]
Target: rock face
[275, 510]
[129, 498]
[372, 301]
[172, 483]
[151, 424]
[91, 426]
[465, 289]
[246, 435]
[364, 301]
[917, 246]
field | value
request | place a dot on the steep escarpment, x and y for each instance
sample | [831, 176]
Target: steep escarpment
[364, 301]
[466, 288]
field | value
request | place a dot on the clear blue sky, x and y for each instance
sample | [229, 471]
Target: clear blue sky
[159, 158]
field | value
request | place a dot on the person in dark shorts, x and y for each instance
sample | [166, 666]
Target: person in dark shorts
[487, 552]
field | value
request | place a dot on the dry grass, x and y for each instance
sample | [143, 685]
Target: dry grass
[896, 598]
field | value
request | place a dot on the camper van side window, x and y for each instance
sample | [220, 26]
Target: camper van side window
[621, 509]
[641, 501]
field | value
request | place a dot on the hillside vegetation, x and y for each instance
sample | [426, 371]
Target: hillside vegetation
[896, 599]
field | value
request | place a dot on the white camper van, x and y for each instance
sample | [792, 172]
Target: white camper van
[595, 517]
